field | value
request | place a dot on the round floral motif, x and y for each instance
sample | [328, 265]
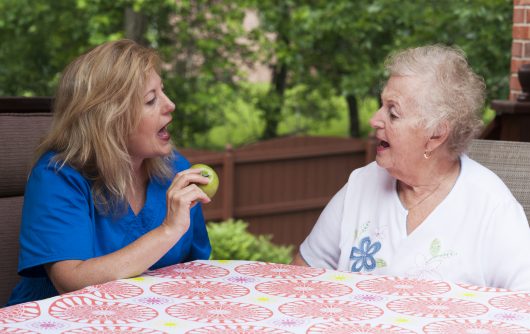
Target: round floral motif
[303, 289]
[481, 288]
[353, 328]
[9, 330]
[237, 329]
[112, 290]
[219, 312]
[473, 326]
[338, 310]
[113, 329]
[519, 302]
[202, 290]
[432, 307]
[19, 313]
[276, 270]
[91, 311]
[189, 270]
[403, 286]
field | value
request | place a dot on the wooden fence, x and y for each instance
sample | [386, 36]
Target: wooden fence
[280, 186]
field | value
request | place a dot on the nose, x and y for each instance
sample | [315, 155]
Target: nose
[169, 106]
[376, 121]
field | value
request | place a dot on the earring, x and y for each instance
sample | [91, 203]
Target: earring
[427, 154]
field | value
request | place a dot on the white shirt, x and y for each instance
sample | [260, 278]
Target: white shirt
[477, 235]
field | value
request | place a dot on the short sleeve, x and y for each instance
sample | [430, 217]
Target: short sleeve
[321, 248]
[56, 218]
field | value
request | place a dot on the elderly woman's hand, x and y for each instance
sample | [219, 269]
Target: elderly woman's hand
[182, 195]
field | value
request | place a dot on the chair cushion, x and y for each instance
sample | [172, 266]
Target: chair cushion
[19, 135]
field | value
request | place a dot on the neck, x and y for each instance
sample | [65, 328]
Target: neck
[414, 193]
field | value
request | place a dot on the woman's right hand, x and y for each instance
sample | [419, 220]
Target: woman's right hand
[182, 195]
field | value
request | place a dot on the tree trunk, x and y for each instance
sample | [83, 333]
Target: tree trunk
[273, 113]
[135, 26]
[353, 112]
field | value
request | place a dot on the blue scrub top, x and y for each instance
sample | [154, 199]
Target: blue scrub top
[60, 222]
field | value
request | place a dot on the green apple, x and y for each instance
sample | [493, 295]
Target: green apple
[211, 188]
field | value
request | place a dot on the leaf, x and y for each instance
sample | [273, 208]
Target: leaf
[435, 247]
[380, 263]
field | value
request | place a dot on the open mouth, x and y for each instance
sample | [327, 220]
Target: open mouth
[163, 133]
[383, 144]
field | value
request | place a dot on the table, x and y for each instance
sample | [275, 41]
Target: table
[257, 297]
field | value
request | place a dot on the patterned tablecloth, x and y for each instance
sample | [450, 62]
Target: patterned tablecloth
[256, 297]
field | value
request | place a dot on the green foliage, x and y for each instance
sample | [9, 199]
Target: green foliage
[330, 50]
[231, 241]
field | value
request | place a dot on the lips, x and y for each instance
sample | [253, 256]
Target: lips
[382, 145]
[163, 133]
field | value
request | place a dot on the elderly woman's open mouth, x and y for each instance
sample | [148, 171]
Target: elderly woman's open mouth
[382, 145]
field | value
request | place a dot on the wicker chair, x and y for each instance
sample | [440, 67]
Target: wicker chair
[21, 127]
[510, 161]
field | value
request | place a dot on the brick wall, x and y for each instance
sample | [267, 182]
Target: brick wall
[520, 43]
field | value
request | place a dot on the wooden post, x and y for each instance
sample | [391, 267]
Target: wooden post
[228, 183]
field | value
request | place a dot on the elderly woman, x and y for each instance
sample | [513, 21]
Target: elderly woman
[108, 196]
[424, 209]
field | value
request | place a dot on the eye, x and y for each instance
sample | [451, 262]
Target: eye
[151, 102]
[392, 112]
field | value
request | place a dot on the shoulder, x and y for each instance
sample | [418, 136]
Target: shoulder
[49, 168]
[482, 181]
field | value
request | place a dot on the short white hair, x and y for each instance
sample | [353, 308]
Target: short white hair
[452, 93]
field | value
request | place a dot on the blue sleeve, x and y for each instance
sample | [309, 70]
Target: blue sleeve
[56, 218]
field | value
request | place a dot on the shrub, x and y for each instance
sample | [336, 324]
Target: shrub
[231, 241]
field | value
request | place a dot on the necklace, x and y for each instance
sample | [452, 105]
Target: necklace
[429, 194]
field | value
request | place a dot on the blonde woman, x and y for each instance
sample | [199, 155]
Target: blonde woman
[108, 196]
[424, 209]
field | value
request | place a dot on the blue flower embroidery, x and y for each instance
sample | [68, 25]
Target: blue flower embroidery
[363, 257]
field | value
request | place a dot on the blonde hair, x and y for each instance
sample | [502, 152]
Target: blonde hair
[97, 106]
[452, 92]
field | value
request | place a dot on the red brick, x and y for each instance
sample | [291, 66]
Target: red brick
[521, 32]
[521, 2]
[517, 49]
[519, 15]
[514, 83]
[516, 63]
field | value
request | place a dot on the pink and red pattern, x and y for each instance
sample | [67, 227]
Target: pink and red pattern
[19, 313]
[303, 289]
[189, 270]
[276, 270]
[435, 307]
[221, 312]
[112, 290]
[473, 326]
[519, 302]
[113, 329]
[9, 330]
[481, 288]
[403, 286]
[354, 328]
[202, 290]
[237, 329]
[338, 310]
[87, 310]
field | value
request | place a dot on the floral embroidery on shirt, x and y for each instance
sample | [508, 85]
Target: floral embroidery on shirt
[363, 256]
[427, 266]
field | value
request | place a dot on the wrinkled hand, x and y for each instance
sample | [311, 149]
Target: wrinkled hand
[182, 195]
